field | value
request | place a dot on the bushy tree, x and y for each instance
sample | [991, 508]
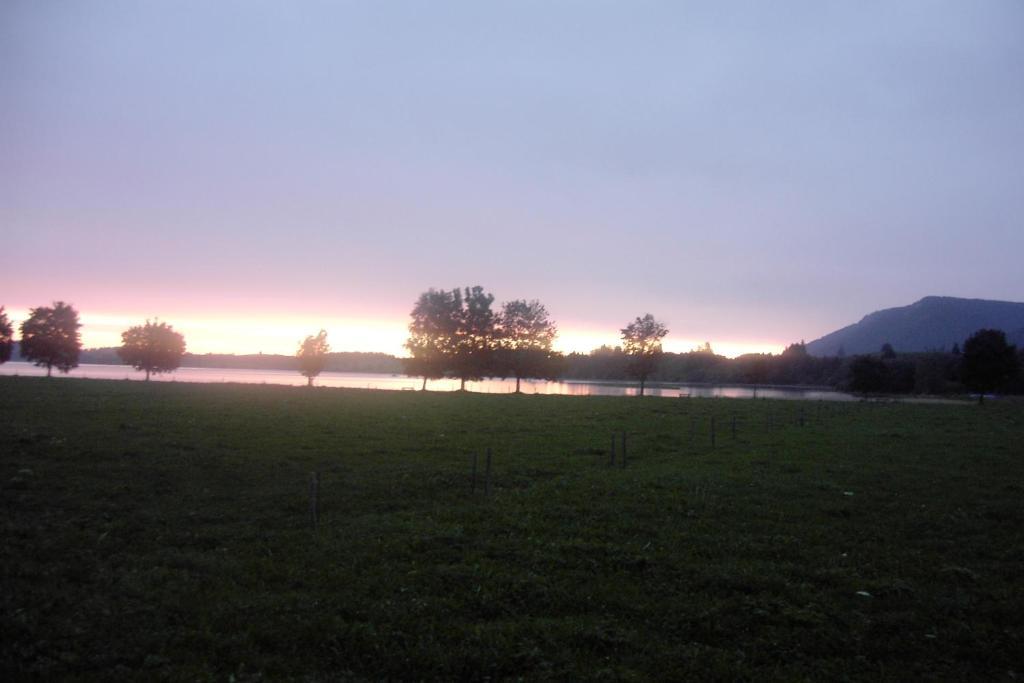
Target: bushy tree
[796, 350]
[50, 338]
[641, 340]
[753, 369]
[872, 375]
[868, 375]
[452, 333]
[604, 362]
[474, 344]
[435, 320]
[312, 355]
[935, 372]
[6, 336]
[153, 348]
[525, 334]
[793, 365]
[988, 361]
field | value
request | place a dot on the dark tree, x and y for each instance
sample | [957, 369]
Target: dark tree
[50, 339]
[868, 375]
[435, 320]
[641, 340]
[524, 338]
[754, 369]
[312, 355]
[934, 372]
[796, 350]
[154, 347]
[6, 336]
[988, 361]
[793, 364]
[473, 350]
[604, 362]
[887, 352]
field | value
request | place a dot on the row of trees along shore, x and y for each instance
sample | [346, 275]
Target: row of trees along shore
[50, 338]
[453, 333]
[456, 334]
[988, 364]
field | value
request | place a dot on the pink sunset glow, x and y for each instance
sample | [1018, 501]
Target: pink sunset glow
[319, 169]
[281, 334]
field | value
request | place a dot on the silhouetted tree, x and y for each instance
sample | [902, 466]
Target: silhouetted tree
[524, 338]
[793, 365]
[887, 351]
[435, 320]
[641, 340]
[988, 361]
[6, 336]
[50, 339]
[753, 369]
[473, 350]
[154, 347]
[956, 349]
[934, 372]
[312, 355]
[868, 375]
[797, 349]
[604, 362]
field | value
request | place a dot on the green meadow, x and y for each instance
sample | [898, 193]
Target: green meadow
[163, 531]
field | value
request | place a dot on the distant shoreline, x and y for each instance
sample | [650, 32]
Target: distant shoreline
[402, 382]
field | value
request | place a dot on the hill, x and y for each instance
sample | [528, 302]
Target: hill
[931, 324]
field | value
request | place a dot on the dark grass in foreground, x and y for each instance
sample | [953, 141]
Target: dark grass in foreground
[162, 531]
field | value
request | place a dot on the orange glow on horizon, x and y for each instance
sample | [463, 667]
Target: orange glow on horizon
[585, 341]
[282, 335]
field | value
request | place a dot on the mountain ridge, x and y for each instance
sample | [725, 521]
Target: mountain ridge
[933, 323]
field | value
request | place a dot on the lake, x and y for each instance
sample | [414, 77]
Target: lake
[402, 382]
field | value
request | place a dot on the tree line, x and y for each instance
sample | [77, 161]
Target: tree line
[456, 334]
[453, 333]
[50, 338]
[988, 364]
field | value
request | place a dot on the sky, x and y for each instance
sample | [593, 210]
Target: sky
[751, 173]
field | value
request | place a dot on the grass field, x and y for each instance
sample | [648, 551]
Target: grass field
[162, 531]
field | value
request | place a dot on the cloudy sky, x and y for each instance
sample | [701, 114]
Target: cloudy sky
[750, 173]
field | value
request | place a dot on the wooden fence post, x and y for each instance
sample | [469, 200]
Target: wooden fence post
[314, 494]
[487, 476]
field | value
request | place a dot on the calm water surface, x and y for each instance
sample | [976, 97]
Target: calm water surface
[403, 382]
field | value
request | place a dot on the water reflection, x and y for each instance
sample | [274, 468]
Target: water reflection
[404, 383]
